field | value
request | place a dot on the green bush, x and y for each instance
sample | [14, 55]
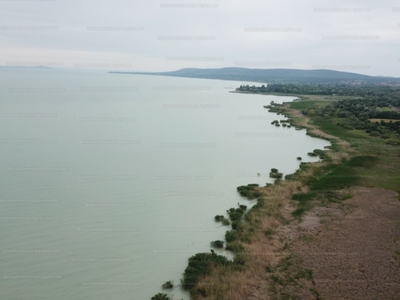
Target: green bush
[375, 133]
[168, 285]
[275, 175]
[225, 222]
[274, 170]
[199, 265]
[392, 142]
[217, 244]
[235, 213]
[230, 236]
[222, 219]
[236, 225]
[299, 158]
[260, 203]
[243, 207]
[160, 296]
[219, 218]
[248, 191]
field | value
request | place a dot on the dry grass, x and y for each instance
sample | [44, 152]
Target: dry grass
[261, 251]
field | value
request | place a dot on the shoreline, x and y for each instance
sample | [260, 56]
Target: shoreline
[269, 233]
[275, 239]
[232, 250]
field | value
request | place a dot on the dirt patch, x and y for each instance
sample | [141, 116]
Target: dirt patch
[358, 255]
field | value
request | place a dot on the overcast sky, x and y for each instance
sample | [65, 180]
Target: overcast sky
[147, 35]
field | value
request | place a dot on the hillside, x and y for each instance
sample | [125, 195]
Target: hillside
[275, 75]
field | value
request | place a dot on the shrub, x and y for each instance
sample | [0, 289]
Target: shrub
[217, 244]
[225, 222]
[392, 142]
[236, 225]
[199, 265]
[235, 213]
[242, 207]
[299, 158]
[160, 296]
[248, 190]
[260, 203]
[275, 175]
[230, 236]
[168, 285]
[222, 219]
[219, 218]
[274, 170]
[374, 133]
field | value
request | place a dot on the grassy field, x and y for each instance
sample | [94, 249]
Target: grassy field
[324, 98]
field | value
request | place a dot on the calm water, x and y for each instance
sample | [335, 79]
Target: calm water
[109, 183]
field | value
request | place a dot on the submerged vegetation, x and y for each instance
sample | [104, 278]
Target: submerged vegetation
[275, 174]
[249, 191]
[168, 285]
[161, 296]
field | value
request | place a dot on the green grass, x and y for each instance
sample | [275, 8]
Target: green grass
[331, 128]
[327, 180]
[300, 105]
[304, 197]
[384, 109]
[364, 161]
[336, 177]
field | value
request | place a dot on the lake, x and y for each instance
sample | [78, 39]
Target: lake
[110, 182]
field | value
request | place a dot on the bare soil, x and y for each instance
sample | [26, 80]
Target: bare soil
[354, 252]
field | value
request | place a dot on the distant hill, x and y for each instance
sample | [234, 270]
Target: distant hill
[274, 75]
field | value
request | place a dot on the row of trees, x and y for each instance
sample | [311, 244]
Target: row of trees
[384, 94]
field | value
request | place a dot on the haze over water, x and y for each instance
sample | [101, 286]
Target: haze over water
[109, 183]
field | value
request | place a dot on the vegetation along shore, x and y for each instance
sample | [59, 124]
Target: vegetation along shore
[332, 229]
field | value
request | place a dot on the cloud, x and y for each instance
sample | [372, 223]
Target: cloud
[146, 34]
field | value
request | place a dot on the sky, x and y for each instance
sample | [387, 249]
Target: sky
[147, 35]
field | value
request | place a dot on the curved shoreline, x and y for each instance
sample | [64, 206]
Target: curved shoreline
[236, 249]
[275, 246]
